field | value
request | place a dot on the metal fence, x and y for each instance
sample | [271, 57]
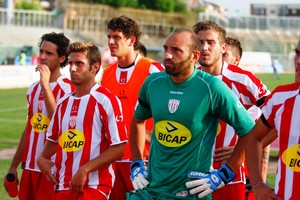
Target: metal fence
[261, 23]
[30, 18]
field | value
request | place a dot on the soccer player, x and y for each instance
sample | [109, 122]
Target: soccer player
[86, 132]
[281, 111]
[124, 78]
[233, 55]
[42, 97]
[186, 105]
[234, 51]
[248, 88]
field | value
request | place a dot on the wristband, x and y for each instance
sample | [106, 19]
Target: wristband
[257, 184]
[226, 174]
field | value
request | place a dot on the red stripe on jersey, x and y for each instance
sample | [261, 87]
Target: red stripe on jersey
[123, 77]
[285, 126]
[158, 66]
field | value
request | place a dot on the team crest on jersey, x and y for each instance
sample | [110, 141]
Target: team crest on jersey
[173, 105]
[291, 157]
[72, 140]
[40, 104]
[72, 121]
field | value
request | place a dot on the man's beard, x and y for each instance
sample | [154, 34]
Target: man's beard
[177, 68]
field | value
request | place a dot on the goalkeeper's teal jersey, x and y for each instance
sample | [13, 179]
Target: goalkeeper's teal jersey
[186, 119]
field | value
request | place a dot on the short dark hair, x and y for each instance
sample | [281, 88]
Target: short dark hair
[234, 42]
[141, 47]
[61, 41]
[127, 26]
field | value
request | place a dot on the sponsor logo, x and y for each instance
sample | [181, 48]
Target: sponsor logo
[219, 129]
[173, 105]
[172, 134]
[72, 140]
[176, 92]
[193, 174]
[291, 157]
[39, 122]
[74, 110]
[119, 118]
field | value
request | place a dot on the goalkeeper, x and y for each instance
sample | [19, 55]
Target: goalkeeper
[186, 105]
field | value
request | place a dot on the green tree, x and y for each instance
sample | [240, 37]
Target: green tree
[147, 4]
[132, 3]
[26, 5]
[180, 7]
[165, 5]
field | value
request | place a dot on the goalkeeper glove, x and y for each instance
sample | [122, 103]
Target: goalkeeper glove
[138, 174]
[209, 182]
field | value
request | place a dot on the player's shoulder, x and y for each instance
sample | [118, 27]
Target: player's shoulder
[99, 90]
[110, 67]
[204, 75]
[237, 69]
[287, 87]
[150, 61]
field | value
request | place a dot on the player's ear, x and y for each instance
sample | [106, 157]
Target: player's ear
[132, 40]
[96, 66]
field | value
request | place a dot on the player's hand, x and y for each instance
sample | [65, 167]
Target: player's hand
[264, 192]
[209, 182]
[222, 154]
[45, 166]
[138, 174]
[78, 180]
[44, 74]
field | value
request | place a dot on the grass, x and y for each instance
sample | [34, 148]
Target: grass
[13, 116]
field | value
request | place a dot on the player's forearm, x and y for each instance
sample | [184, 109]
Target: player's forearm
[110, 155]
[17, 159]
[49, 149]
[50, 101]
[137, 138]
[265, 162]
[238, 155]
[254, 150]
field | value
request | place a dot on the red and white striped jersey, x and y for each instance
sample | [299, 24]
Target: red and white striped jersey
[84, 127]
[250, 91]
[286, 119]
[279, 95]
[38, 120]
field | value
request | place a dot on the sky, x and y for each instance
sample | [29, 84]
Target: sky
[242, 7]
